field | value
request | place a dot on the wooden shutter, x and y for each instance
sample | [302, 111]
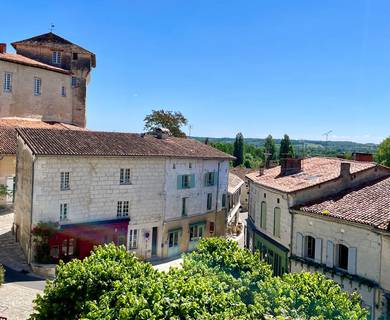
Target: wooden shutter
[318, 250]
[299, 249]
[352, 260]
[192, 181]
[179, 182]
[330, 254]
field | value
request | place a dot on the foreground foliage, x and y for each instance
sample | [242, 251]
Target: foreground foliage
[1, 275]
[217, 281]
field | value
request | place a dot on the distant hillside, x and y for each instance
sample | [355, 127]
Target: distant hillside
[312, 147]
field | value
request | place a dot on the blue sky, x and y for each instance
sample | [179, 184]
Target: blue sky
[259, 67]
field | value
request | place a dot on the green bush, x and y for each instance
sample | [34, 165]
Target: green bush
[218, 281]
[2, 271]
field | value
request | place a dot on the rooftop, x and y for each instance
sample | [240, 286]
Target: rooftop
[94, 143]
[368, 204]
[8, 131]
[241, 172]
[235, 183]
[19, 59]
[315, 170]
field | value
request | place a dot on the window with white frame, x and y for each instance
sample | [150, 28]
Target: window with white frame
[124, 176]
[63, 91]
[342, 256]
[209, 179]
[122, 209]
[37, 86]
[196, 231]
[56, 57]
[133, 238]
[65, 182]
[7, 86]
[63, 211]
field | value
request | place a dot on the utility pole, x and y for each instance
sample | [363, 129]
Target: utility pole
[326, 134]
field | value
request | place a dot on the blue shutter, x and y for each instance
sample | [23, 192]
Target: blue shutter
[318, 250]
[192, 181]
[179, 182]
[213, 179]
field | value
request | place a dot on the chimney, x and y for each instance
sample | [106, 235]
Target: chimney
[345, 169]
[364, 157]
[3, 47]
[290, 166]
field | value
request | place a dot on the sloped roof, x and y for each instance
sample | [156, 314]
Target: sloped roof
[368, 204]
[315, 170]
[235, 183]
[19, 59]
[94, 143]
[8, 131]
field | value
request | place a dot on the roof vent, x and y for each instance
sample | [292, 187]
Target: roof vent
[3, 47]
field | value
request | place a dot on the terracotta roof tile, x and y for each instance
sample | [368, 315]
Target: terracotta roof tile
[314, 171]
[93, 143]
[368, 204]
[8, 131]
[241, 172]
[235, 183]
[17, 58]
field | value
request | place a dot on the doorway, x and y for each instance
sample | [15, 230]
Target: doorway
[154, 241]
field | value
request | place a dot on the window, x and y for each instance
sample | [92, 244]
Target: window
[263, 218]
[37, 86]
[75, 82]
[54, 251]
[71, 246]
[224, 200]
[133, 239]
[173, 239]
[209, 179]
[65, 181]
[190, 165]
[122, 209]
[63, 211]
[310, 247]
[265, 195]
[209, 201]
[7, 87]
[196, 232]
[277, 222]
[184, 207]
[63, 91]
[124, 176]
[212, 227]
[64, 247]
[186, 181]
[56, 57]
[75, 56]
[342, 256]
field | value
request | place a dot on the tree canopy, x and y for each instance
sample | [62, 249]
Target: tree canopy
[383, 152]
[238, 149]
[286, 149]
[217, 281]
[172, 120]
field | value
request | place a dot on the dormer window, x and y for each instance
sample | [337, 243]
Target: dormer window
[56, 57]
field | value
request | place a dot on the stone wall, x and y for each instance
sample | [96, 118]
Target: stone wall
[21, 101]
[7, 170]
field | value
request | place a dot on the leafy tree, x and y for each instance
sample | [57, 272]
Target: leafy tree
[270, 148]
[286, 149]
[238, 149]
[3, 190]
[383, 152]
[217, 281]
[172, 120]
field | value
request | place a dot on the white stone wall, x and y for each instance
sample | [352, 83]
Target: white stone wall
[95, 189]
[256, 196]
[370, 254]
[21, 101]
[197, 196]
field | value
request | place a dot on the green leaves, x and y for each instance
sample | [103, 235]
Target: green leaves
[218, 281]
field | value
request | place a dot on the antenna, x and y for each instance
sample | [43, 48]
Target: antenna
[190, 127]
[326, 134]
[52, 26]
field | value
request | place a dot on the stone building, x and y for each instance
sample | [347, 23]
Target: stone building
[157, 194]
[235, 187]
[46, 79]
[347, 237]
[241, 172]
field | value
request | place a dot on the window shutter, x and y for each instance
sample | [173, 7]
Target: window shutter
[352, 260]
[330, 254]
[263, 215]
[179, 182]
[318, 250]
[213, 179]
[192, 181]
[205, 179]
[299, 244]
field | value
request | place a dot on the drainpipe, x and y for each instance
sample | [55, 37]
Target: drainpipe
[31, 210]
